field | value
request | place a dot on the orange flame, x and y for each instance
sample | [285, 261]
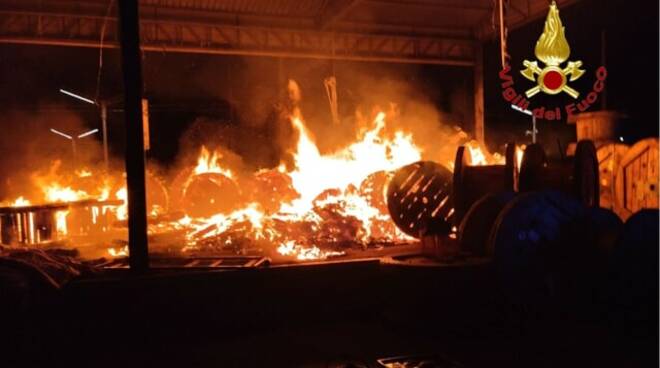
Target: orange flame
[210, 163]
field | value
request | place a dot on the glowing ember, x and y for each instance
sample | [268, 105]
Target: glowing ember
[118, 252]
[305, 254]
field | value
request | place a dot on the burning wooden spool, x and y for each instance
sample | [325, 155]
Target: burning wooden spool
[577, 175]
[419, 199]
[374, 188]
[473, 182]
[271, 188]
[210, 194]
[636, 185]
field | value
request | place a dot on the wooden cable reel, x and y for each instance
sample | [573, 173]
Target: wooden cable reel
[548, 245]
[577, 175]
[477, 223]
[636, 185]
[209, 194]
[609, 156]
[419, 199]
[473, 182]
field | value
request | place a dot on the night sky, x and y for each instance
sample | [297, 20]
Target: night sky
[238, 93]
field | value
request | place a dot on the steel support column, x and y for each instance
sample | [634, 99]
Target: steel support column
[129, 39]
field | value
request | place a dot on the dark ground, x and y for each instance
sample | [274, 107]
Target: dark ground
[318, 316]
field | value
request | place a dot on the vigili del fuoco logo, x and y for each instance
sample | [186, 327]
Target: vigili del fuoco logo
[550, 77]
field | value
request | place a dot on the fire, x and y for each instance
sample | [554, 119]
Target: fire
[83, 173]
[57, 193]
[520, 151]
[122, 211]
[60, 222]
[20, 202]
[210, 163]
[328, 202]
[305, 254]
[315, 173]
[478, 158]
[323, 201]
[221, 223]
[118, 252]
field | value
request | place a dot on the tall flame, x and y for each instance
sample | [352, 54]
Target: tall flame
[210, 162]
[552, 47]
[315, 173]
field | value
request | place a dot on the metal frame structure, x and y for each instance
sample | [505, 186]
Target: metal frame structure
[190, 37]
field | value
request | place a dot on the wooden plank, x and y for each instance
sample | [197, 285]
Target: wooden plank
[216, 263]
[193, 263]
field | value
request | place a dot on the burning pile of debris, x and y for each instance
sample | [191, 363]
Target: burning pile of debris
[319, 206]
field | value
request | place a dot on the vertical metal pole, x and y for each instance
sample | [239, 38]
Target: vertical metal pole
[73, 147]
[533, 129]
[603, 62]
[501, 19]
[104, 125]
[479, 94]
[129, 32]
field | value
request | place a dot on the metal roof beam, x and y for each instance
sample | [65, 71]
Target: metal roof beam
[332, 15]
[170, 36]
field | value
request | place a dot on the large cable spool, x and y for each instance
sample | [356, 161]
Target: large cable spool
[577, 175]
[633, 283]
[477, 223]
[636, 185]
[531, 238]
[270, 188]
[550, 249]
[609, 156]
[419, 198]
[210, 194]
[473, 182]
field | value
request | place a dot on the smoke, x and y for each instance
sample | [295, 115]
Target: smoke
[256, 133]
[29, 147]
[265, 92]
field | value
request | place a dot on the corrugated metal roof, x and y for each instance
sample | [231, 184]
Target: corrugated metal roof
[291, 8]
[450, 18]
